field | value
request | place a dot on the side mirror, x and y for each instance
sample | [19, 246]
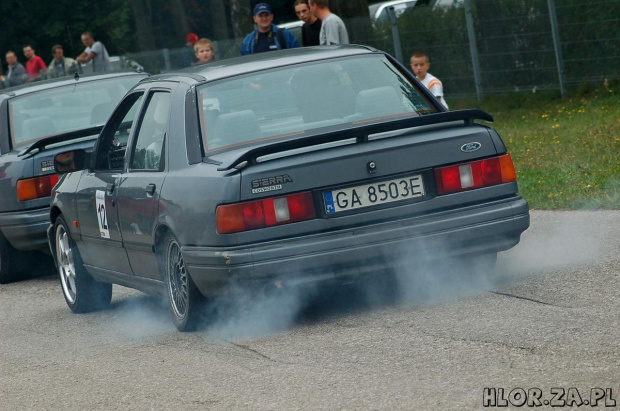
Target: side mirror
[69, 161]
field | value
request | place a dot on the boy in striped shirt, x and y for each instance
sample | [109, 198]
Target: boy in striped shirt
[419, 66]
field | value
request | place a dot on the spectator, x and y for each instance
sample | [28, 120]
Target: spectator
[35, 64]
[311, 30]
[266, 36]
[16, 74]
[333, 30]
[96, 52]
[204, 51]
[188, 57]
[420, 65]
[60, 65]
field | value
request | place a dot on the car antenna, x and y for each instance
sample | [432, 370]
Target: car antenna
[77, 75]
[70, 40]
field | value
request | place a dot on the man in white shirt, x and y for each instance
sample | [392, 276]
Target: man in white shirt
[420, 65]
[96, 52]
[333, 30]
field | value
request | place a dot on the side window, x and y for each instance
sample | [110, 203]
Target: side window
[113, 145]
[382, 19]
[148, 150]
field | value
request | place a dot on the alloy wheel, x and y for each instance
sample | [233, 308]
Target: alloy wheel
[66, 263]
[177, 280]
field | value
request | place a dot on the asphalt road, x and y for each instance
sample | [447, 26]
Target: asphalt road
[547, 320]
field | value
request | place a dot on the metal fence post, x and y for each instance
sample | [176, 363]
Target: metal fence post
[471, 34]
[166, 53]
[395, 34]
[553, 17]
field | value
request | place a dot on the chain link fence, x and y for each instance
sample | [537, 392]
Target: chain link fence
[513, 45]
[482, 47]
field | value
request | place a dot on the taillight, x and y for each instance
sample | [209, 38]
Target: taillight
[482, 173]
[37, 187]
[267, 212]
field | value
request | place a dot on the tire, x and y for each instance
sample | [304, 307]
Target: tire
[184, 300]
[14, 264]
[82, 292]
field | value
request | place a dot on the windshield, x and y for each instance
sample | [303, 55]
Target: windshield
[293, 100]
[66, 108]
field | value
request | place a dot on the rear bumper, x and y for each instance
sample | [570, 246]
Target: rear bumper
[474, 230]
[26, 230]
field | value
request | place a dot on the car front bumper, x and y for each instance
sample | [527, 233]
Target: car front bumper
[473, 230]
[26, 230]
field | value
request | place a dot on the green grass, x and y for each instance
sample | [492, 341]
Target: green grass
[566, 151]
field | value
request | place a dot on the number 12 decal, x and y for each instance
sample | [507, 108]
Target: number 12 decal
[102, 217]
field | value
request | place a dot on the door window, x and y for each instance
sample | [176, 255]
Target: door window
[148, 150]
[113, 144]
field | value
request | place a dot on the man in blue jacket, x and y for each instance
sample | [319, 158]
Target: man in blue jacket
[266, 36]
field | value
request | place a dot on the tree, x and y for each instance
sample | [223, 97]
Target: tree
[355, 14]
[143, 18]
[240, 12]
[44, 24]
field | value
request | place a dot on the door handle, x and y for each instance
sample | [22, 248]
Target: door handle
[109, 188]
[150, 189]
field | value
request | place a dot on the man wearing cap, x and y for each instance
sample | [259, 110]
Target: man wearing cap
[266, 36]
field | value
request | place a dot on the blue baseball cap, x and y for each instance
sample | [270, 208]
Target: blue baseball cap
[262, 8]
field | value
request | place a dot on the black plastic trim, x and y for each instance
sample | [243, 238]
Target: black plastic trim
[58, 138]
[359, 131]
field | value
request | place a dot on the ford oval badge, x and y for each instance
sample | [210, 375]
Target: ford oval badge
[469, 147]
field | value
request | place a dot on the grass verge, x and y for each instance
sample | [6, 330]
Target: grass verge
[566, 151]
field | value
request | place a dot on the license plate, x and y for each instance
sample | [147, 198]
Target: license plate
[381, 192]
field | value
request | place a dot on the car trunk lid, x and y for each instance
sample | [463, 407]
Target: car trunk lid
[332, 167]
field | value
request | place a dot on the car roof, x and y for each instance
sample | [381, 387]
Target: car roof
[262, 61]
[290, 24]
[62, 81]
[376, 8]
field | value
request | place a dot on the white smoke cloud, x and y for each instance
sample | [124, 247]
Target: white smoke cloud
[420, 276]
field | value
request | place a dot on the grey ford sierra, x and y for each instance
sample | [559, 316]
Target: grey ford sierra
[291, 166]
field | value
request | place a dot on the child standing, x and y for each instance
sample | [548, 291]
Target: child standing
[419, 66]
[204, 51]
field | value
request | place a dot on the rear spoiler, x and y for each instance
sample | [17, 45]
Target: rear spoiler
[359, 131]
[59, 138]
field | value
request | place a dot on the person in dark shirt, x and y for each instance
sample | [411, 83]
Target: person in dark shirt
[188, 57]
[16, 74]
[266, 36]
[312, 25]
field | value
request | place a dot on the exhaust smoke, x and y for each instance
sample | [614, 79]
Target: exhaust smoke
[419, 276]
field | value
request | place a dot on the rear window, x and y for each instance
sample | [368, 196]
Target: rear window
[67, 108]
[293, 100]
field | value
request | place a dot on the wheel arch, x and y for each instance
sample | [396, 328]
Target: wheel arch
[54, 214]
[160, 235]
